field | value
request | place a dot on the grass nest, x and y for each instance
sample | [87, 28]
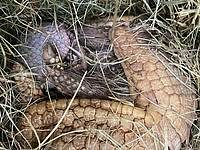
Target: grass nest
[177, 23]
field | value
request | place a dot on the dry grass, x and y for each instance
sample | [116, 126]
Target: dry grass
[176, 21]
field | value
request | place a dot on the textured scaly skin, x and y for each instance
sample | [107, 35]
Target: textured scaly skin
[99, 119]
[160, 84]
[162, 117]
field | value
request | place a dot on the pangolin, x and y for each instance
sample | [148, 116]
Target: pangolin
[160, 118]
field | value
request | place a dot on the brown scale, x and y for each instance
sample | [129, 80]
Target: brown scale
[96, 119]
[161, 118]
[28, 87]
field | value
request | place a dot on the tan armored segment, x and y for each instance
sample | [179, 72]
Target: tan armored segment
[162, 116]
[162, 88]
[88, 121]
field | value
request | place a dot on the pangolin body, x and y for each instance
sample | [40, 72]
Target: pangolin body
[161, 117]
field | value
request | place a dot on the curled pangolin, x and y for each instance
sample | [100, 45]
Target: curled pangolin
[161, 117]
